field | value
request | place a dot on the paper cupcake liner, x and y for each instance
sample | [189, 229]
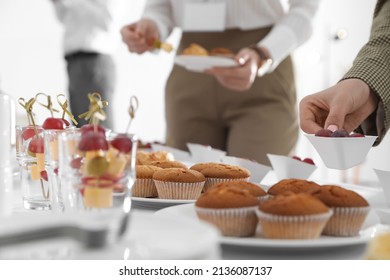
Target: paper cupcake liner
[144, 188]
[213, 181]
[237, 222]
[346, 221]
[292, 227]
[176, 190]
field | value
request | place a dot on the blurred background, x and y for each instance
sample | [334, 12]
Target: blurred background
[31, 61]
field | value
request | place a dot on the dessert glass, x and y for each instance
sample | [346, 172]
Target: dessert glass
[95, 180]
[35, 188]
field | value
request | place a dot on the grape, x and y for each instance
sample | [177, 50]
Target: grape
[76, 162]
[93, 141]
[44, 175]
[30, 132]
[340, 133]
[67, 123]
[97, 166]
[36, 145]
[91, 127]
[309, 161]
[122, 143]
[323, 133]
[356, 135]
[54, 123]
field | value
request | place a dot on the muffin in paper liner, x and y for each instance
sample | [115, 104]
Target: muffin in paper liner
[235, 222]
[213, 181]
[292, 227]
[178, 190]
[144, 188]
[346, 221]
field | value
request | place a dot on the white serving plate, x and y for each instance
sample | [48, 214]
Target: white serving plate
[157, 203]
[201, 63]
[370, 229]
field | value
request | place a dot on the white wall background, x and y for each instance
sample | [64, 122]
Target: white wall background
[31, 62]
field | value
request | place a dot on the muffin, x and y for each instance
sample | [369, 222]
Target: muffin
[220, 51]
[195, 49]
[219, 172]
[169, 164]
[293, 216]
[231, 210]
[252, 188]
[293, 185]
[144, 185]
[178, 183]
[145, 158]
[349, 210]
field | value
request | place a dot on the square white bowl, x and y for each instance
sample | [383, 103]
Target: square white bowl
[287, 167]
[203, 153]
[258, 171]
[384, 215]
[384, 179]
[341, 152]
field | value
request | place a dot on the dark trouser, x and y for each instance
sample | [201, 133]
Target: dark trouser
[246, 124]
[87, 73]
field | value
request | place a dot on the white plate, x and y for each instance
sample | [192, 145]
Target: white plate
[201, 63]
[370, 229]
[157, 203]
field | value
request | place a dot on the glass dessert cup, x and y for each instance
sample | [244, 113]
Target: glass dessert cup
[96, 172]
[35, 187]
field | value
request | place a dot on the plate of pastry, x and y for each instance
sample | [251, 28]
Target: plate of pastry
[197, 58]
[369, 230]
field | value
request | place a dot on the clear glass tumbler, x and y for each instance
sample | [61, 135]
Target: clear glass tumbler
[96, 170]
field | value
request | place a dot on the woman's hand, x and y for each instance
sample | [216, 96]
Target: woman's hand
[343, 106]
[241, 77]
[140, 36]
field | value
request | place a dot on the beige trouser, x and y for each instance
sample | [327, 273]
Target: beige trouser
[246, 124]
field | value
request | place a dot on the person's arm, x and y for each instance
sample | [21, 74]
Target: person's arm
[160, 11]
[290, 32]
[372, 65]
[101, 12]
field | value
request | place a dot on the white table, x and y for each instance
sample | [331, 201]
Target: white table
[143, 222]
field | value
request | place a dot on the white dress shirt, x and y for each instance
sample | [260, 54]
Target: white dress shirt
[90, 25]
[292, 20]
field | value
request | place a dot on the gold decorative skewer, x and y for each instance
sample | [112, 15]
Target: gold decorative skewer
[158, 44]
[96, 106]
[64, 107]
[163, 46]
[28, 106]
[49, 105]
[133, 107]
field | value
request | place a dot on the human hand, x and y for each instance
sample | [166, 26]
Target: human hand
[140, 36]
[240, 77]
[343, 106]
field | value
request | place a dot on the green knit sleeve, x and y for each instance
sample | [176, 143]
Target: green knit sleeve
[372, 65]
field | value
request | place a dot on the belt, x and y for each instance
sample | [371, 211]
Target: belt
[80, 55]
